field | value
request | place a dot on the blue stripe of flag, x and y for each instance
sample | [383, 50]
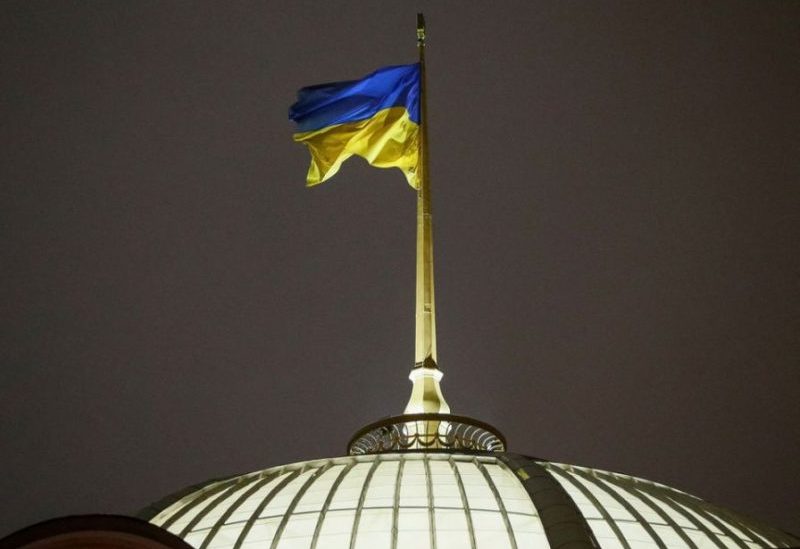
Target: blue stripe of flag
[329, 104]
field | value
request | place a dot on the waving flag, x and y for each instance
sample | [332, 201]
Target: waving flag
[376, 118]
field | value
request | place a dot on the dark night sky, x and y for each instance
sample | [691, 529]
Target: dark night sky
[615, 193]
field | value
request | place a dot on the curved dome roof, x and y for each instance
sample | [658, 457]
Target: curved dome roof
[451, 500]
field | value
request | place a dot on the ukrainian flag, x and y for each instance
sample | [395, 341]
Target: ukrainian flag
[376, 118]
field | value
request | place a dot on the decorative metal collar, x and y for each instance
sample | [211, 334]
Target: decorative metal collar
[426, 432]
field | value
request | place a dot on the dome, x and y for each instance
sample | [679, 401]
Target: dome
[448, 500]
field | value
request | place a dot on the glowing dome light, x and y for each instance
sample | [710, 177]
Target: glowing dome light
[451, 500]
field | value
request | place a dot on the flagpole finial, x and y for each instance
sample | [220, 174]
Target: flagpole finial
[420, 29]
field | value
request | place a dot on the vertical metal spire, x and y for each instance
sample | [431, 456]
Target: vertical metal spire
[426, 394]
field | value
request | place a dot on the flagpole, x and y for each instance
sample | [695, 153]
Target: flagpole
[426, 394]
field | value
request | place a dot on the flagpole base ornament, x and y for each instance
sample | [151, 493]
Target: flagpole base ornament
[426, 392]
[426, 432]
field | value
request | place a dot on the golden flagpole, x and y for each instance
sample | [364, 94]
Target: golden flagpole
[426, 394]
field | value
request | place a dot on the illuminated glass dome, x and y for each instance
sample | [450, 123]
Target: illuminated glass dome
[449, 500]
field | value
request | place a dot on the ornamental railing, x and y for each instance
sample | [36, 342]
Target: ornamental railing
[426, 432]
